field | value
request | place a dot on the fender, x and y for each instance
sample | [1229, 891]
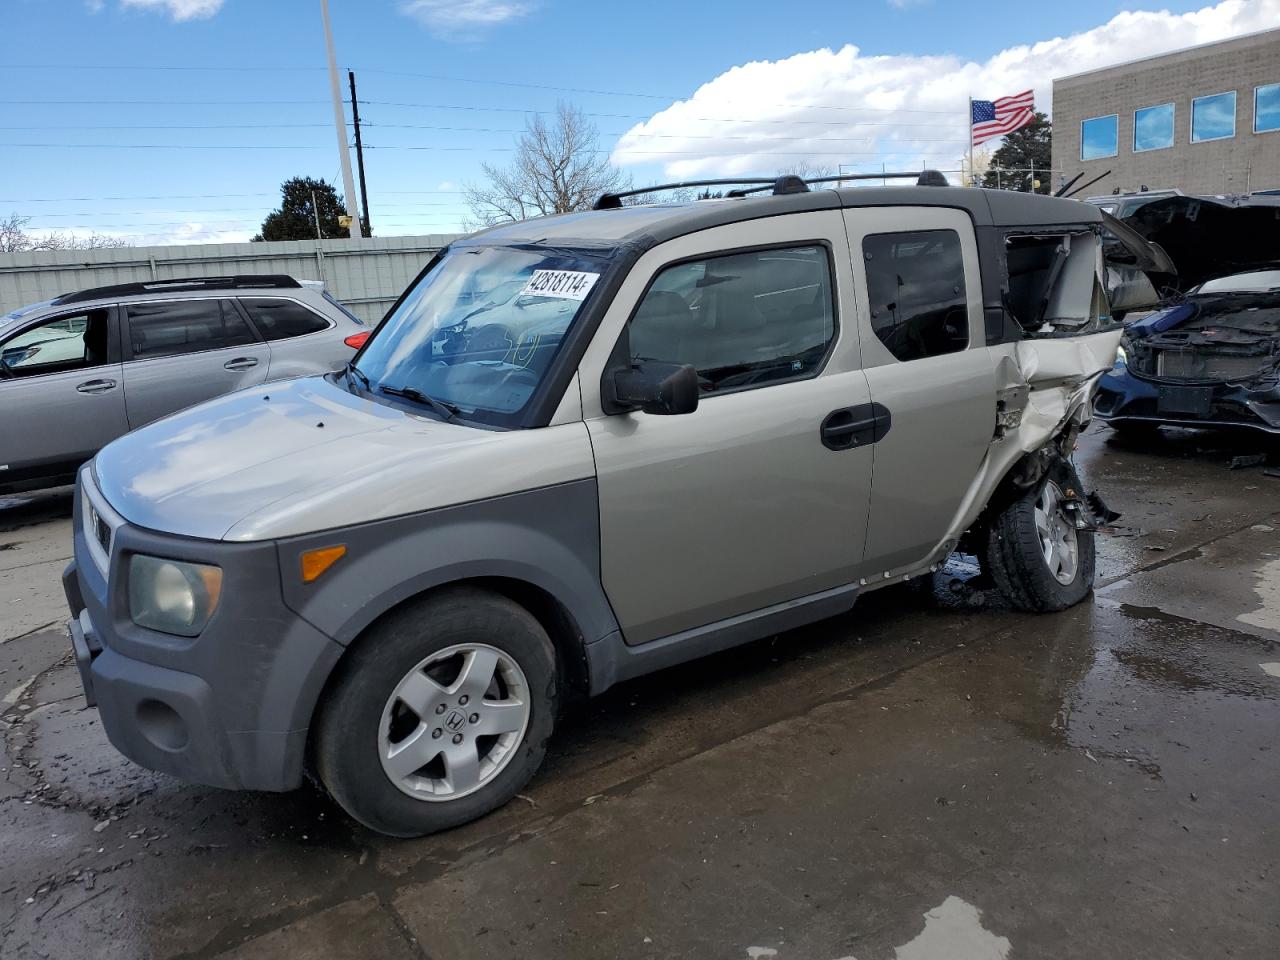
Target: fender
[548, 537]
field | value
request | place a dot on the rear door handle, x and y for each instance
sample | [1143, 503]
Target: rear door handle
[857, 426]
[96, 386]
[241, 363]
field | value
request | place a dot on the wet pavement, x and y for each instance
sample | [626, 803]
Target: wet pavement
[931, 776]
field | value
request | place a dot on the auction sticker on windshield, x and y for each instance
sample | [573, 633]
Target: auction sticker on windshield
[565, 284]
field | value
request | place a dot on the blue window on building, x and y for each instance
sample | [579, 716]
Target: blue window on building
[1099, 137]
[1153, 128]
[1266, 108]
[1213, 118]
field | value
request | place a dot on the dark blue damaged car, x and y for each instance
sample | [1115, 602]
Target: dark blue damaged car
[1210, 357]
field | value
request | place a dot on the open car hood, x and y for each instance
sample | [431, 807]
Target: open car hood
[1208, 237]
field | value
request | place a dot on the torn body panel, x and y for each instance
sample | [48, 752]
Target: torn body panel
[1044, 382]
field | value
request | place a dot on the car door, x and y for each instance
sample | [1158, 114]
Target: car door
[179, 352]
[739, 506]
[60, 392]
[924, 353]
[302, 341]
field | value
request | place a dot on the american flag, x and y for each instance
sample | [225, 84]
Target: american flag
[989, 119]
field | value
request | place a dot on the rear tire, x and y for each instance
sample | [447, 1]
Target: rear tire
[440, 714]
[1039, 561]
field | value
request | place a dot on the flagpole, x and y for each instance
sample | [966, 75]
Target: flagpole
[972, 178]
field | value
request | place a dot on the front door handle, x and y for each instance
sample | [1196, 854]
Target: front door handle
[96, 386]
[241, 363]
[858, 426]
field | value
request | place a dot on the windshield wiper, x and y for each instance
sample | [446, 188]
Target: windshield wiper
[355, 373]
[446, 410]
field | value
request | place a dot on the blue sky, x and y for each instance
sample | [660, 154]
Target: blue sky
[787, 82]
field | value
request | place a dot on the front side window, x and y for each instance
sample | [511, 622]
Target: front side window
[916, 293]
[281, 319]
[166, 328]
[1266, 108]
[480, 330]
[1153, 128]
[1099, 137]
[71, 342]
[743, 320]
[1213, 118]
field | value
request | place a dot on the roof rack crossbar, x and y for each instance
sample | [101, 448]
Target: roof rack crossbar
[922, 177]
[238, 281]
[612, 201]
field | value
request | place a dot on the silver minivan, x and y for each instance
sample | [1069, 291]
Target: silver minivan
[580, 449]
[84, 368]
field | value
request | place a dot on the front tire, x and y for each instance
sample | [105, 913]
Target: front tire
[440, 714]
[1039, 560]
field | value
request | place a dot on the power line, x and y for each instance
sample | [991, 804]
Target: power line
[446, 78]
[187, 196]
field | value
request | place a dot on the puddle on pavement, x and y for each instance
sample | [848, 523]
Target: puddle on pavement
[1267, 615]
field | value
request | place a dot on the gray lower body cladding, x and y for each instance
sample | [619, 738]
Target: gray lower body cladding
[229, 708]
[233, 706]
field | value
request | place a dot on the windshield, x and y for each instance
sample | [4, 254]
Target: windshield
[480, 330]
[1258, 281]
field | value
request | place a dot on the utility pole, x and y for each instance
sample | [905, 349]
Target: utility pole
[340, 124]
[364, 192]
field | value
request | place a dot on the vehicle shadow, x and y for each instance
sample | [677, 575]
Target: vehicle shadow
[18, 510]
[1236, 448]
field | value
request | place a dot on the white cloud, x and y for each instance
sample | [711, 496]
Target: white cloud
[178, 9]
[464, 19]
[831, 107]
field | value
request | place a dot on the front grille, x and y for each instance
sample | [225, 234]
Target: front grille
[1199, 365]
[101, 531]
[100, 523]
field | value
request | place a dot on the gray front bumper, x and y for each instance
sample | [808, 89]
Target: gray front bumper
[229, 708]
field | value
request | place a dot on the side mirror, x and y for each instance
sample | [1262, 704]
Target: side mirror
[655, 387]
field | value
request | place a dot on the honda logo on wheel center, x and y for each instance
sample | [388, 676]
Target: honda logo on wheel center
[455, 721]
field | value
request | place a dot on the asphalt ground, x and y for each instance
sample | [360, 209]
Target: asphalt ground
[930, 776]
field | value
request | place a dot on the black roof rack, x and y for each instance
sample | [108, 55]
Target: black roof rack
[788, 183]
[259, 281]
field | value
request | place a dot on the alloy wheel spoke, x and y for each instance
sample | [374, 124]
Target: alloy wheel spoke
[506, 716]
[476, 673]
[462, 766]
[412, 753]
[420, 693]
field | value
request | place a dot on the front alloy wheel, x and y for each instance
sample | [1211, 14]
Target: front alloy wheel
[454, 722]
[439, 712]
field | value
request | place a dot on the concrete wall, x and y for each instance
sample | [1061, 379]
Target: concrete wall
[366, 275]
[1247, 161]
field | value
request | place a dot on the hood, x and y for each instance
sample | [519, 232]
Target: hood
[298, 456]
[1208, 237]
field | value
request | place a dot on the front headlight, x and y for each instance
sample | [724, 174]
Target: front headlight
[172, 596]
[1122, 358]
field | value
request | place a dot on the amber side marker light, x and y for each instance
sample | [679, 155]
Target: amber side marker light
[316, 562]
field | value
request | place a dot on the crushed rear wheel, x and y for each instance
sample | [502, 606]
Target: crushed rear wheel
[1035, 554]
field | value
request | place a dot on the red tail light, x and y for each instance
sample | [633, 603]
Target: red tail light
[356, 340]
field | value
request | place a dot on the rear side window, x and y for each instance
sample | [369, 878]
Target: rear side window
[282, 319]
[915, 289]
[743, 320]
[166, 328]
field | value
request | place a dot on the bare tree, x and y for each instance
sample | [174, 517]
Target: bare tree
[806, 170]
[14, 238]
[559, 167]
